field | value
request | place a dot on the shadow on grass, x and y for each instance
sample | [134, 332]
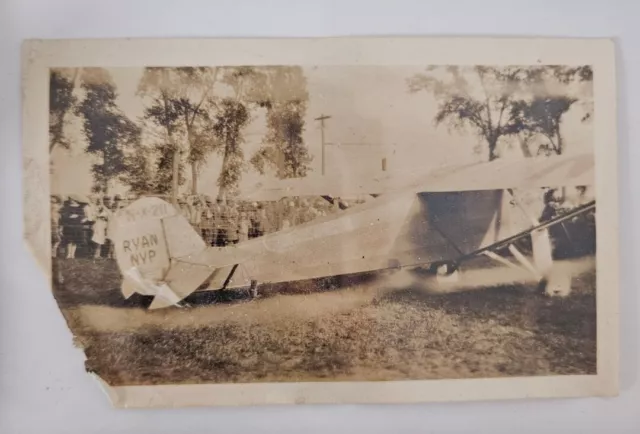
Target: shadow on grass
[566, 326]
[85, 281]
[97, 282]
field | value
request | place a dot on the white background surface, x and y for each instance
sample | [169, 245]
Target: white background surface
[43, 387]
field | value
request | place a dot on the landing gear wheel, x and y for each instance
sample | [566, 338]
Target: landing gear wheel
[557, 284]
[445, 268]
[446, 272]
[253, 289]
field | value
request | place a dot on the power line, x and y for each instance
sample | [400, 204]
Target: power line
[354, 144]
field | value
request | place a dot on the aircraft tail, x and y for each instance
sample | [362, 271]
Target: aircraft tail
[150, 236]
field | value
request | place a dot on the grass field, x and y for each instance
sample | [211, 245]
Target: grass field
[366, 331]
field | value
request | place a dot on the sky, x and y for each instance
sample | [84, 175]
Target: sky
[373, 116]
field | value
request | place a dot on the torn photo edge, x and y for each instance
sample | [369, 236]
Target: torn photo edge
[39, 55]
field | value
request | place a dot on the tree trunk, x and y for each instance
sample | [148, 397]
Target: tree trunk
[105, 180]
[524, 147]
[74, 80]
[559, 149]
[194, 178]
[194, 171]
[493, 143]
[176, 175]
[222, 191]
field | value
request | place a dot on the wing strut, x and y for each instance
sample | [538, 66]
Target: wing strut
[228, 279]
[548, 223]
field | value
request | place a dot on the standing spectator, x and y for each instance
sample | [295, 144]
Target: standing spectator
[56, 229]
[313, 213]
[112, 207]
[286, 224]
[551, 205]
[291, 214]
[253, 219]
[183, 207]
[243, 227]
[90, 209]
[117, 203]
[557, 233]
[307, 212]
[72, 217]
[220, 218]
[336, 205]
[194, 208]
[232, 223]
[208, 222]
[101, 219]
[262, 222]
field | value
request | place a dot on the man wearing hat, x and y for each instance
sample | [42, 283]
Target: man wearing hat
[73, 219]
[56, 229]
[252, 215]
[207, 222]
[195, 212]
[261, 221]
[220, 223]
[233, 217]
[101, 222]
[243, 227]
[183, 207]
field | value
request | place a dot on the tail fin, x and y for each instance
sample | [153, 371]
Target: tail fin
[148, 236]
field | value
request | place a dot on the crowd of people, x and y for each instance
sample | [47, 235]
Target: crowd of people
[82, 222]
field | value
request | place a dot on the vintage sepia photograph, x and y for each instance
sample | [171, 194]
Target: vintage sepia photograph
[336, 223]
[288, 223]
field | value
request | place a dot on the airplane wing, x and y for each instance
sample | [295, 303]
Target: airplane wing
[502, 174]
[563, 170]
[318, 186]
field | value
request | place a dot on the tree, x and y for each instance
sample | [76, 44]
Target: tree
[168, 172]
[541, 115]
[495, 102]
[232, 115]
[139, 175]
[283, 146]
[482, 106]
[107, 129]
[582, 75]
[195, 121]
[285, 97]
[180, 99]
[161, 86]
[228, 124]
[198, 85]
[195, 118]
[61, 102]
[541, 111]
[566, 74]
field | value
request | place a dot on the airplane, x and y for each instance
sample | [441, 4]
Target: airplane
[436, 220]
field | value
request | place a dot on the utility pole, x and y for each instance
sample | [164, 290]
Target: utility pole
[175, 178]
[322, 118]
